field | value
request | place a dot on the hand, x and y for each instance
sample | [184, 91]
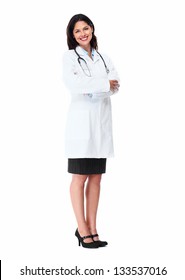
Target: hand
[114, 85]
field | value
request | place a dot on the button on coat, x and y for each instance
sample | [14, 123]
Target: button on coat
[89, 121]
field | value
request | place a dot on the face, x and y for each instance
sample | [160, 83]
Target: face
[82, 33]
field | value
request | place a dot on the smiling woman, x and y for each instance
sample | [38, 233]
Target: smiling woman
[91, 79]
[80, 31]
[83, 35]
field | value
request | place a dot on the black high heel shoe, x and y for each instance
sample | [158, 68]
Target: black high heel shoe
[90, 245]
[99, 242]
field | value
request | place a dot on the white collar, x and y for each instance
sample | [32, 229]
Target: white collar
[83, 52]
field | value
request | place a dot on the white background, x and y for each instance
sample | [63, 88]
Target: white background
[141, 211]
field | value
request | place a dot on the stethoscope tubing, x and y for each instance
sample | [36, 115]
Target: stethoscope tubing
[81, 58]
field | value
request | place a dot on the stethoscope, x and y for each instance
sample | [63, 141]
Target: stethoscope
[88, 73]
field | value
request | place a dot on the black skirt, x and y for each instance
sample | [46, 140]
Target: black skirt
[85, 166]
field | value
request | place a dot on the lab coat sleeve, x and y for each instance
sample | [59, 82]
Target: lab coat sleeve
[78, 84]
[112, 75]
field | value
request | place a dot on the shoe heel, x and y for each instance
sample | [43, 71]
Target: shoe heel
[85, 245]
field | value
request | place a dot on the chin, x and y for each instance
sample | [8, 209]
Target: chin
[85, 44]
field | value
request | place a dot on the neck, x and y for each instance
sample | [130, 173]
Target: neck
[88, 49]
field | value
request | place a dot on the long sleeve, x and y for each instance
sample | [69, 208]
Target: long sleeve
[81, 84]
[112, 75]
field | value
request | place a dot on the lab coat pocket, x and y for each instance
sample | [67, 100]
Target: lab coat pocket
[78, 125]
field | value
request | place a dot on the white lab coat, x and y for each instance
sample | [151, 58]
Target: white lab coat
[89, 121]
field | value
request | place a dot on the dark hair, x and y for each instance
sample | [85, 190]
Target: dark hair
[72, 43]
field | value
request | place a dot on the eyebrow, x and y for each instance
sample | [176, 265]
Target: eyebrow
[82, 28]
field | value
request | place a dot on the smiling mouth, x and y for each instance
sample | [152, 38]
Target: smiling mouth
[84, 39]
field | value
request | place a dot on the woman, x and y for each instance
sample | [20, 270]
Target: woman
[91, 79]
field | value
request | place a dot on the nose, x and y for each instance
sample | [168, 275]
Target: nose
[82, 33]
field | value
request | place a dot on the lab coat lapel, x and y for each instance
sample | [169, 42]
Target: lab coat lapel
[80, 51]
[96, 56]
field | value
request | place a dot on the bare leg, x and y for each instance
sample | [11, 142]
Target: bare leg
[77, 199]
[92, 199]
